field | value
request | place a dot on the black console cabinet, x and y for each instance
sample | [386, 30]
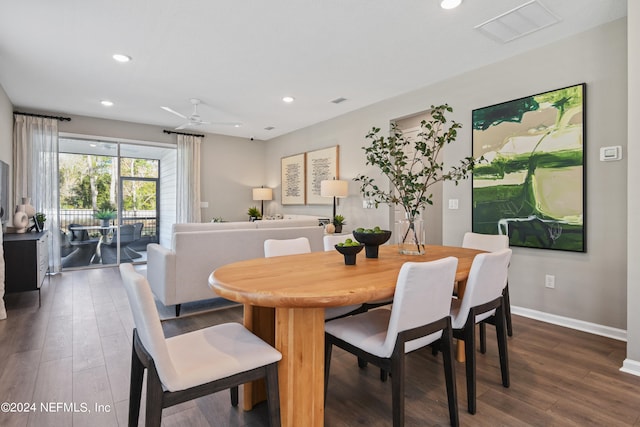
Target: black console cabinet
[26, 260]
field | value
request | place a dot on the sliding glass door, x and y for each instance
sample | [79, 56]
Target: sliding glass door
[109, 201]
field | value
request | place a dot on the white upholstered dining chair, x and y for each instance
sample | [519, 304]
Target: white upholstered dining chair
[490, 243]
[482, 299]
[276, 247]
[419, 317]
[331, 240]
[193, 364]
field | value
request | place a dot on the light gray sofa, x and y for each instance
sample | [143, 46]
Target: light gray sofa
[180, 274]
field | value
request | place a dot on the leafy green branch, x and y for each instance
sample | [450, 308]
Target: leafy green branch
[413, 166]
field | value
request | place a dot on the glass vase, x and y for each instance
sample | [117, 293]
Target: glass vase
[410, 236]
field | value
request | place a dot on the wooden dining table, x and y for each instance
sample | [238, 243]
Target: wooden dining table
[284, 301]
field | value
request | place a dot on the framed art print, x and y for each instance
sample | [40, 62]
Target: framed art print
[531, 184]
[321, 165]
[292, 178]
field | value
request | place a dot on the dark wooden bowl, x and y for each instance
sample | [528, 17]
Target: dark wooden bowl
[372, 241]
[349, 253]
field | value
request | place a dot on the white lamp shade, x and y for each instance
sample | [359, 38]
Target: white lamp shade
[262, 194]
[334, 188]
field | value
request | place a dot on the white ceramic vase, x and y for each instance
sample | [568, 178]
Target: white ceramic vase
[28, 208]
[20, 221]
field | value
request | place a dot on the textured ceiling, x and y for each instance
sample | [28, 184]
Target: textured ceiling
[240, 57]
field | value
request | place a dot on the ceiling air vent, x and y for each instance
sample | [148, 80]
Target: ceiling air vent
[269, 128]
[339, 100]
[518, 22]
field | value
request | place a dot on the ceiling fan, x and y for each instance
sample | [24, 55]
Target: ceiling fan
[194, 118]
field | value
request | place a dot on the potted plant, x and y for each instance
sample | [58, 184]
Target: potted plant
[412, 166]
[254, 213]
[105, 213]
[338, 222]
[39, 220]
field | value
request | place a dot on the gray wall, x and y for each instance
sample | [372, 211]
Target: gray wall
[633, 195]
[589, 287]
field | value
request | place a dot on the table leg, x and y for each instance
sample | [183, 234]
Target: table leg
[460, 357]
[300, 339]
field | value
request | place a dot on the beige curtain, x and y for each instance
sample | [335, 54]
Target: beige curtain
[35, 165]
[188, 171]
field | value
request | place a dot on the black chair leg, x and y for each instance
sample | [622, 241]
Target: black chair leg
[470, 363]
[397, 389]
[362, 363]
[153, 414]
[507, 309]
[502, 346]
[135, 388]
[178, 310]
[234, 396]
[327, 365]
[273, 395]
[450, 377]
[483, 337]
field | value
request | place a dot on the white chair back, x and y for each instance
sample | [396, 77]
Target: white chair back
[275, 247]
[487, 279]
[147, 322]
[422, 296]
[485, 242]
[332, 240]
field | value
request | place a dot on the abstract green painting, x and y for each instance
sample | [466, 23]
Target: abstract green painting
[531, 184]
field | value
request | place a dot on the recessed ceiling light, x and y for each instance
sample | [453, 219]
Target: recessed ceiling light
[288, 99]
[106, 103]
[450, 4]
[121, 58]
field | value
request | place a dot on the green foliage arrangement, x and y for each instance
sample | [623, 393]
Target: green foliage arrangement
[339, 220]
[412, 165]
[254, 212]
[105, 211]
[41, 218]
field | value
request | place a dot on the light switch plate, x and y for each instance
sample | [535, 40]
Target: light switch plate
[453, 203]
[608, 154]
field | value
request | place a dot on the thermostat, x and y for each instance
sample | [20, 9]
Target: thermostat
[608, 154]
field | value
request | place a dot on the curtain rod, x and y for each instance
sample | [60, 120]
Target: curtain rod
[183, 133]
[62, 119]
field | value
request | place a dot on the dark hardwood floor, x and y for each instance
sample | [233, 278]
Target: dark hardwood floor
[75, 350]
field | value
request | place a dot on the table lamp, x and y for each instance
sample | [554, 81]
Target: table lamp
[262, 194]
[334, 188]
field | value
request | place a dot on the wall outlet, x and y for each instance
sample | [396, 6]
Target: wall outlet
[550, 281]
[453, 203]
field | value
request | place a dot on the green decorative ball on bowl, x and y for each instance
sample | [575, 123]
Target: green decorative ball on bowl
[349, 251]
[372, 238]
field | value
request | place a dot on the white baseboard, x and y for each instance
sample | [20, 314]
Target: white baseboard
[631, 367]
[567, 322]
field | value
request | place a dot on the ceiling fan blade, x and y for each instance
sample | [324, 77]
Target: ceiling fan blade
[174, 112]
[184, 125]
